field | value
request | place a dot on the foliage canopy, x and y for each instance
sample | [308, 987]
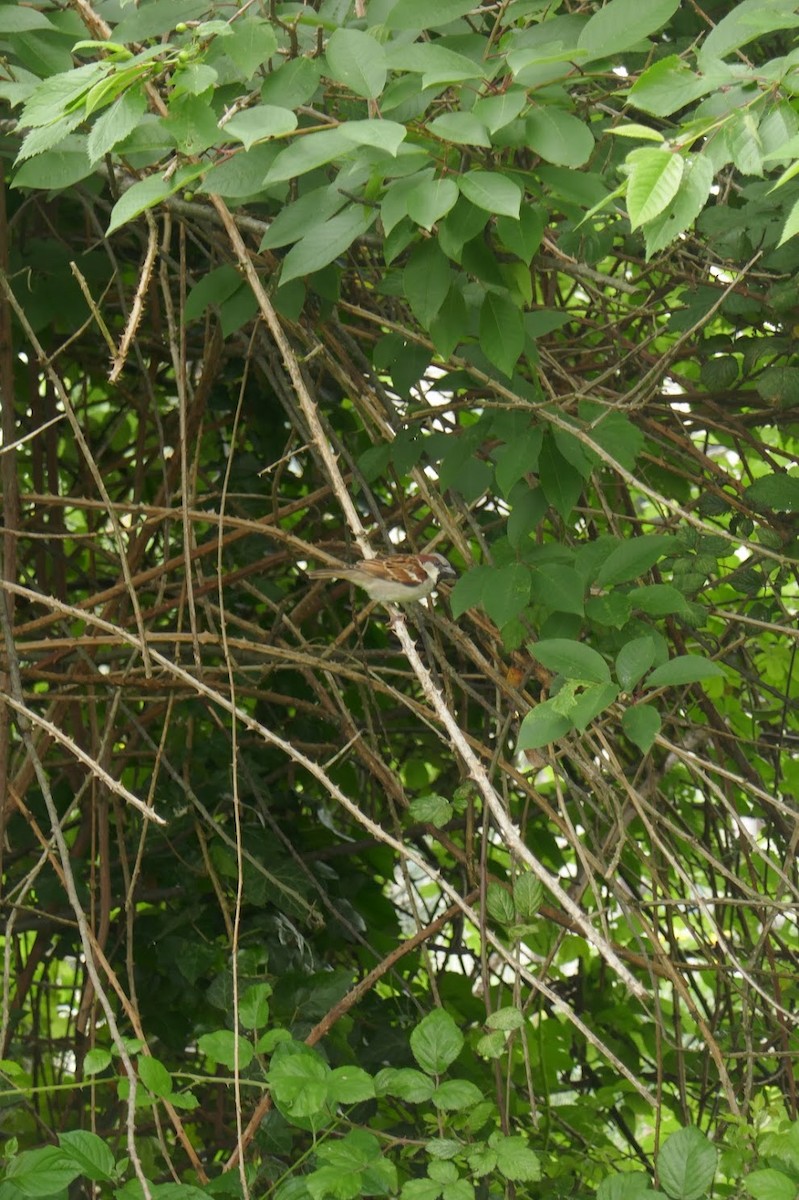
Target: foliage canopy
[497, 896]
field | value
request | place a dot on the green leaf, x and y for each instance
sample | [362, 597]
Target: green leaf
[426, 281]
[659, 600]
[456, 1094]
[257, 124]
[358, 61]
[460, 127]
[154, 1076]
[507, 593]
[528, 892]
[421, 14]
[495, 112]
[469, 589]
[326, 241]
[383, 135]
[559, 136]
[307, 153]
[249, 43]
[146, 194]
[192, 122]
[43, 1172]
[350, 1085]
[90, 1152]
[655, 177]
[634, 660]
[519, 458]
[499, 903]
[745, 21]
[770, 1184]
[501, 331]
[18, 18]
[686, 1164]
[680, 215]
[220, 1046]
[405, 1083]
[96, 1060]
[254, 1006]
[434, 63]
[613, 609]
[436, 1042]
[558, 588]
[430, 200]
[685, 668]
[214, 288]
[633, 557]
[298, 1078]
[508, 1018]
[560, 482]
[571, 659]
[116, 123]
[431, 809]
[293, 83]
[776, 491]
[524, 235]
[542, 725]
[791, 226]
[515, 1159]
[420, 1189]
[56, 169]
[622, 24]
[667, 85]
[293, 220]
[590, 702]
[641, 725]
[492, 191]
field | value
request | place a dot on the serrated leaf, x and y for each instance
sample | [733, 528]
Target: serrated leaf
[91, 1152]
[432, 809]
[358, 61]
[456, 1094]
[405, 1083]
[654, 180]
[506, 1018]
[47, 1171]
[528, 892]
[775, 490]
[680, 215]
[686, 1164]
[499, 903]
[436, 1042]
[220, 1046]
[515, 1159]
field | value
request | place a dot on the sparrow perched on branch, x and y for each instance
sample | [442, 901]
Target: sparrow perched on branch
[397, 579]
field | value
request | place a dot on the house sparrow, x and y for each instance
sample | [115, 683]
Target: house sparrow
[397, 579]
